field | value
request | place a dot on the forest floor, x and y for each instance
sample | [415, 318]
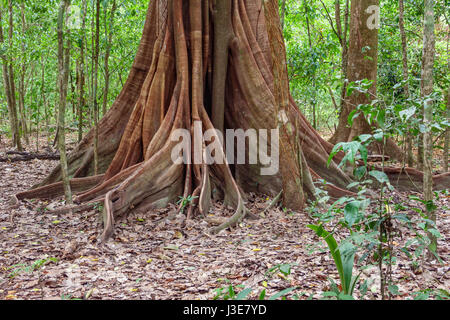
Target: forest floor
[152, 256]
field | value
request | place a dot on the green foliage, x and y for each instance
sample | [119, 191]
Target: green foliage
[36, 49]
[184, 202]
[24, 268]
[240, 292]
[343, 257]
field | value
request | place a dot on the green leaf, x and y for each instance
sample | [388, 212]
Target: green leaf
[351, 212]
[282, 293]
[333, 246]
[262, 295]
[344, 296]
[378, 135]
[243, 294]
[381, 117]
[364, 137]
[435, 233]
[380, 176]
[360, 172]
[348, 251]
[364, 153]
[352, 116]
[364, 288]
[353, 184]
[285, 269]
[422, 296]
[430, 206]
[329, 294]
[393, 289]
[408, 113]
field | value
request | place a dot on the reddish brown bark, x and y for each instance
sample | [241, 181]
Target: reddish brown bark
[362, 64]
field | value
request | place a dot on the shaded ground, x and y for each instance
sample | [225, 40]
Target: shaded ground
[153, 257]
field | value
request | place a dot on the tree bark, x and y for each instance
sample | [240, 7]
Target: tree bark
[10, 95]
[290, 161]
[95, 83]
[426, 91]
[283, 13]
[405, 72]
[362, 64]
[81, 73]
[22, 88]
[447, 133]
[223, 34]
[109, 34]
[63, 68]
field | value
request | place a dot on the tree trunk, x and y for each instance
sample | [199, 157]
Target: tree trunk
[283, 13]
[22, 88]
[170, 88]
[343, 36]
[401, 24]
[109, 35]
[63, 68]
[10, 94]
[447, 133]
[95, 83]
[81, 74]
[362, 64]
[426, 91]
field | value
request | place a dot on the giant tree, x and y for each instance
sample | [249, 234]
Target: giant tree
[181, 79]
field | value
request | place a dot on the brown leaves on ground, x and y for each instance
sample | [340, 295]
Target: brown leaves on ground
[159, 255]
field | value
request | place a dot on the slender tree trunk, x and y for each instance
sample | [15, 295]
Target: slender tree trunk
[109, 31]
[339, 135]
[401, 23]
[426, 91]
[22, 88]
[63, 68]
[95, 83]
[313, 101]
[82, 78]
[447, 134]
[12, 110]
[44, 99]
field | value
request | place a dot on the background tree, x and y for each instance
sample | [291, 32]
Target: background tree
[401, 24]
[427, 89]
[63, 67]
[10, 93]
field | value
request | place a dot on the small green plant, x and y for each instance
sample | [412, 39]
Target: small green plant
[23, 268]
[439, 294]
[230, 292]
[284, 269]
[184, 202]
[69, 297]
[343, 257]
